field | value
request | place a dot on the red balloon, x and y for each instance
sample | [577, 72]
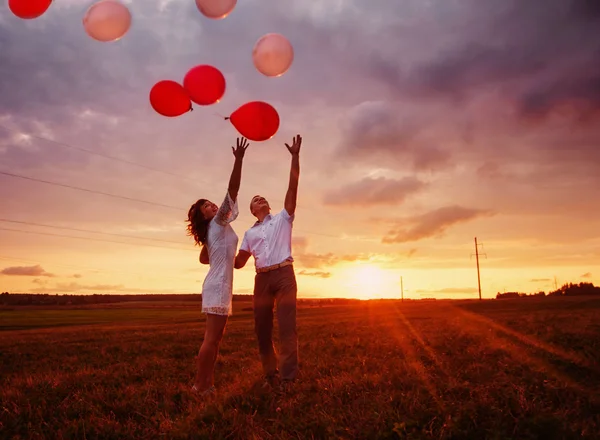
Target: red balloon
[257, 121]
[28, 9]
[205, 84]
[169, 99]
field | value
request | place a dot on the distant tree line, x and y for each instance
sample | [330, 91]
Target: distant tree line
[42, 299]
[569, 289]
[45, 299]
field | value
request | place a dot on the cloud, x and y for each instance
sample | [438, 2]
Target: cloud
[494, 81]
[431, 224]
[311, 260]
[316, 261]
[540, 280]
[299, 244]
[377, 132]
[28, 271]
[77, 275]
[74, 287]
[319, 274]
[374, 191]
[586, 275]
[513, 47]
[450, 290]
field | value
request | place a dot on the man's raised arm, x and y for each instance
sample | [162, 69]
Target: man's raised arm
[292, 192]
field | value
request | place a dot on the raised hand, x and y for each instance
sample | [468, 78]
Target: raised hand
[240, 149]
[296, 144]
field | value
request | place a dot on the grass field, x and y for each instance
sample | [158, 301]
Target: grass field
[378, 369]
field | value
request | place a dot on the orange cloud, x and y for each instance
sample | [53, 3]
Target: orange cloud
[318, 274]
[28, 271]
[374, 191]
[431, 224]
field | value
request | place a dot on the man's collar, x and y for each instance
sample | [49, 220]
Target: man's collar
[258, 222]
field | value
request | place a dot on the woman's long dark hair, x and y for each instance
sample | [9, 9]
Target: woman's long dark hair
[197, 225]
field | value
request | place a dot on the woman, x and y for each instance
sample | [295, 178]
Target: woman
[210, 227]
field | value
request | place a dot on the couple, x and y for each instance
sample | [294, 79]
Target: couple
[269, 241]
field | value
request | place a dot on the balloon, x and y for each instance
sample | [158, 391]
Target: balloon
[273, 55]
[215, 9]
[257, 121]
[169, 99]
[28, 9]
[204, 84]
[107, 20]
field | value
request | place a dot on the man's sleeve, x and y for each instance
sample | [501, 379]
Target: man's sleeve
[245, 245]
[285, 215]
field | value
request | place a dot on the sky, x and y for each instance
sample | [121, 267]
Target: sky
[425, 124]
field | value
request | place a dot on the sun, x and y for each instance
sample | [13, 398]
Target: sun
[367, 281]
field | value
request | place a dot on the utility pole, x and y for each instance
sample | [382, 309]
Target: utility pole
[402, 289]
[477, 258]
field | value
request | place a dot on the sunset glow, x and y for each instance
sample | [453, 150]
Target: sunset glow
[413, 145]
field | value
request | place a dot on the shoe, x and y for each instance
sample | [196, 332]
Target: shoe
[271, 382]
[206, 392]
[286, 386]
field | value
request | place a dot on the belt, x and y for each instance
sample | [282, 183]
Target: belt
[275, 266]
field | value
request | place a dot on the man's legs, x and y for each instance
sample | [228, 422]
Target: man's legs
[264, 300]
[286, 292]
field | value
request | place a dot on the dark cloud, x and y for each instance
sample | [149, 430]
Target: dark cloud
[376, 132]
[511, 46]
[578, 97]
[431, 224]
[318, 274]
[28, 271]
[586, 275]
[540, 280]
[374, 191]
[530, 62]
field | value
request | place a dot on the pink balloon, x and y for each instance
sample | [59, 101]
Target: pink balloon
[273, 55]
[107, 20]
[216, 9]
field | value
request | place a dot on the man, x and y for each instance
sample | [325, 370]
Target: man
[269, 241]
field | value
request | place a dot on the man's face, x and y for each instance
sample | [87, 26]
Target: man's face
[259, 204]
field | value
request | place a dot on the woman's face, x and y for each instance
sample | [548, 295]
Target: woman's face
[208, 210]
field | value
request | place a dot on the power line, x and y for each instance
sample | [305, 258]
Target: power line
[106, 156]
[85, 150]
[89, 231]
[131, 199]
[76, 188]
[69, 146]
[96, 239]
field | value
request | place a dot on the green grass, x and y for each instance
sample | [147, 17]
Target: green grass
[496, 369]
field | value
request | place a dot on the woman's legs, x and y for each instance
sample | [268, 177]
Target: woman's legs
[207, 356]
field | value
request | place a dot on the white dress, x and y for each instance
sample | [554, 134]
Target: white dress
[221, 241]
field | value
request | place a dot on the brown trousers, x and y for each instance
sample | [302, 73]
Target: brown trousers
[277, 287]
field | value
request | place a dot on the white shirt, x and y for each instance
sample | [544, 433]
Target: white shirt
[270, 241]
[221, 240]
